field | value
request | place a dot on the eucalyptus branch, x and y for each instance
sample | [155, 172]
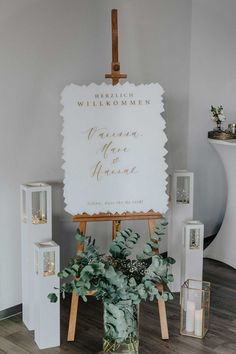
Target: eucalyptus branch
[118, 281]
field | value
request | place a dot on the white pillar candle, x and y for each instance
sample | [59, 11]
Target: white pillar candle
[198, 323]
[190, 314]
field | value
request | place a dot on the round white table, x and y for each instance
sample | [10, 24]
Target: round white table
[223, 247]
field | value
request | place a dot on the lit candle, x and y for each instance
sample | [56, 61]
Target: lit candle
[190, 314]
[198, 323]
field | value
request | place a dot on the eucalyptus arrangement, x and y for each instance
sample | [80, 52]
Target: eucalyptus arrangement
[120, 282]
[217, 115]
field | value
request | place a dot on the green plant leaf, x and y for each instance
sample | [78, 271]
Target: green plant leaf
[52, 297]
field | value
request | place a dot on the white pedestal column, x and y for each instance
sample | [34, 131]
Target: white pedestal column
[47, 314]
[192, 251]
[36, 226]
[181, 211]
[223, 246]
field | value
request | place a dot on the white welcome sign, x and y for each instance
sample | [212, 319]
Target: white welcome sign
[113, 148]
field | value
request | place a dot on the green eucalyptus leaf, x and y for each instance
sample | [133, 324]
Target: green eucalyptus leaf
[110, 272]
[115, 250]
[120, 239]
[147, 249]
[75, 267]
[170, 260]
[170, 278]
[52, 297]
[132, 282]
[130, 244]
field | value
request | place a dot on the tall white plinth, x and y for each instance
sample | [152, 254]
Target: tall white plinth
[181, 211]
[224, 245]
[47, 314]
[36, 226]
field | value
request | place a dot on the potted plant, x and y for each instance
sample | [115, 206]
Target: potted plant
[120, 282]
[217, 115]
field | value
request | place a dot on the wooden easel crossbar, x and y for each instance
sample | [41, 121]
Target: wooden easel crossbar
[116, 218]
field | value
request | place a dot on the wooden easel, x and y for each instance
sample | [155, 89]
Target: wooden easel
[116, 219]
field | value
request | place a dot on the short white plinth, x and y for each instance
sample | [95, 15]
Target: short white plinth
[47, 314]
[223, 246]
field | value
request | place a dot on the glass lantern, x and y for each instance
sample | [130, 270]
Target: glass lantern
[194, 239]
[195, 308]
[49, 263]
[35, 203]
[183, 190]
[48, 258]
[39, 207]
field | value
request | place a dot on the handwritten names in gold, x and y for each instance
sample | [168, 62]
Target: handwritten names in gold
[111, 150]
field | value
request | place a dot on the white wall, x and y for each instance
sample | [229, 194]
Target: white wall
[212, 81]
[44, 46]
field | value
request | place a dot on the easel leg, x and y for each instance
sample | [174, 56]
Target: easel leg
[151, 226]
[73, 317]
[161, 303]
[115, 228]
[82, 227]
[163, 318]
[75, 298]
